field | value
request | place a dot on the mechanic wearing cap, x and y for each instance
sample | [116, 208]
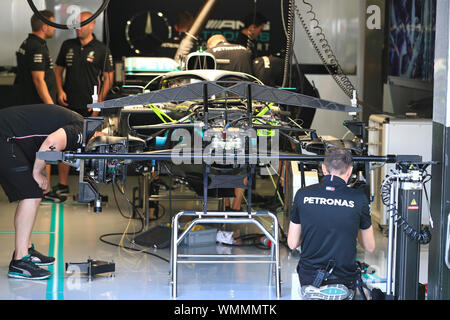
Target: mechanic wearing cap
[231, 57]
[35, 80]
[85, 60]
[327, 220]
[25, 130]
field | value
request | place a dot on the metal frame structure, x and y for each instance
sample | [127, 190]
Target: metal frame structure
[403, 250]
[226, 217]
[204, 90]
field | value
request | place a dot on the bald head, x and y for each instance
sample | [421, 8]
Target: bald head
[215, 40]
[85, 32]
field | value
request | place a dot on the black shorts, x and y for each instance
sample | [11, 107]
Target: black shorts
[16, 173]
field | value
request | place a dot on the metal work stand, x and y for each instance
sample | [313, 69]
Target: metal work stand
[226, 217]
[404, 250]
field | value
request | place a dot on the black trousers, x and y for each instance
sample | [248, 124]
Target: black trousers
[308, 279]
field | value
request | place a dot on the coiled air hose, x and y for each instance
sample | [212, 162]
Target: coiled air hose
[423, 236]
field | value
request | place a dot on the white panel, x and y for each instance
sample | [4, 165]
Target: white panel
[441, 113]
[398, 136]
[15, 25]
[330, 122]
[339, 20]
[341, 23]
[62, 13]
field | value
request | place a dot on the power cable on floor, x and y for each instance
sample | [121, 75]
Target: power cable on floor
[140, 218]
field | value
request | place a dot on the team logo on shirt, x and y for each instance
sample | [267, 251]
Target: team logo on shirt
[329, 202]
[111, 63]
[90, 57]
[38, 58]
[69, 57]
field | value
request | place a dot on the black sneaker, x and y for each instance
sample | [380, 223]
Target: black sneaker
[60, 190]
[53, 197]
[38, 258]
[26, 269]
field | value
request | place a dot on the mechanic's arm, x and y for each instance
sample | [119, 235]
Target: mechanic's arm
[294, 235]
[366, 239]
[62, 96]
[41, 86]
[57, 139]
[108, 79]
[107, 85]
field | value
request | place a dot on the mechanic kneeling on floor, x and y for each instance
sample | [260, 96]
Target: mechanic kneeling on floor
[25, 130]
[327, 219]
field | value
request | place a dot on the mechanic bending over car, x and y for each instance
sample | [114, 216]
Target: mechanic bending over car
[25, 130]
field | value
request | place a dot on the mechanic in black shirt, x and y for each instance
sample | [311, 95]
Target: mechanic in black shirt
[183, 24]
[326, 221]
[231, 57]
[85, 60]
[25, 130]
[253, 26]
[35, 80]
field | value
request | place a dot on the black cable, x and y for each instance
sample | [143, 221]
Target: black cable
[130, 248]
[426, 195]
[283, 22]
[136, 208]
[101, 238]
[289, 42]
[423, 236]
[65, 26]
[337, 73]
[117, 203]
[250, 44]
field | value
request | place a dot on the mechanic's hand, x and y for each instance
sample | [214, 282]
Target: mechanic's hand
[42, 180]
[62, 98]
[93, 113]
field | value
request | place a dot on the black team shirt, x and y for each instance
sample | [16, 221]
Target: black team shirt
[330, 214]
[84, 67]
[246, 42]
[30, 125]
[238, 56]
[33, 55]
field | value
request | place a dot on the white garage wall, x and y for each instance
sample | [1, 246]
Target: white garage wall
[343, 23]
[15, 24]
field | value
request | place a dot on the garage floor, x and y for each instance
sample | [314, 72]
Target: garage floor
[71, 231]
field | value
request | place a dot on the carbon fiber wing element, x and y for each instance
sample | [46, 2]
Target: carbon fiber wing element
[195, 91]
